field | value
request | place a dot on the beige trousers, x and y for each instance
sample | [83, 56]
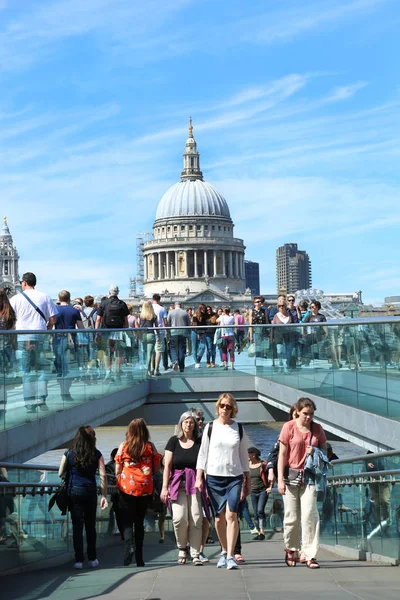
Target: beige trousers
[187, 518]
[301, 514]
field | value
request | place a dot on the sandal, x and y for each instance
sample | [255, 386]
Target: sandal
[182, 557]
[197, 561]
[302, 559]
[290, 557]
[209, 540]
[312, 564]
[239, 559]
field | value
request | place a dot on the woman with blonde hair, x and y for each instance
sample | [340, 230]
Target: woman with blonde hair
[298, 439]
[135, 463]
[223, 458]
[179, 480]
[148, 321]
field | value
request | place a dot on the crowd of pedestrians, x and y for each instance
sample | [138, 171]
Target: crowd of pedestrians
[160, 339]
[207, 473]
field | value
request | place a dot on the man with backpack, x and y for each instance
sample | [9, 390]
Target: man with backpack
[113, 314]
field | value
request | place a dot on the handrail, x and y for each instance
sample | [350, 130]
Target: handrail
[28, 466]
[341, 322]
[370, 474]
[341, 461]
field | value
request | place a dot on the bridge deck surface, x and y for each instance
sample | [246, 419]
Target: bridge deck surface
[263, 576]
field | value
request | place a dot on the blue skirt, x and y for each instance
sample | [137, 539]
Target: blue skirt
[222, 490]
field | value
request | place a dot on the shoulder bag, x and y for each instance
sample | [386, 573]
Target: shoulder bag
[61, 495]
[34, 306]
[295, 477]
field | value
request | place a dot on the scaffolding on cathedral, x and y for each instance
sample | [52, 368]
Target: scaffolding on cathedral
[136, 283]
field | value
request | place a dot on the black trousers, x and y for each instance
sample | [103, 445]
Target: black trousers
[83, 505]
[132, 511]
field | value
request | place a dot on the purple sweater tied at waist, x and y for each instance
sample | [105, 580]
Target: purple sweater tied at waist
[177, 476]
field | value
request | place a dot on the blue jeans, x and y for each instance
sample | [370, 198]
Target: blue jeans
[178, 350]
[211, 349]
[60, 351]
[198, 346]
[34, 376]
[245, 513]
[258, 501]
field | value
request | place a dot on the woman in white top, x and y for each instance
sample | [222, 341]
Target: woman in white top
[282, 337]
[223, 458]
[228, 337]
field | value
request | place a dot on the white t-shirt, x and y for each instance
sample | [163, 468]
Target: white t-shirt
[27, 316]
[225, 454]
[226, 320]
[161, 314]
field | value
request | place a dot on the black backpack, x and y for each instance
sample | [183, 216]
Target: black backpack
[114, 314]
[210, 428]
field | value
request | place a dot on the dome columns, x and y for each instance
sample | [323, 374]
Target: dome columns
[168, 265]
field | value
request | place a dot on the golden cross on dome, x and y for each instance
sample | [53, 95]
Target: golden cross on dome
[5, 221]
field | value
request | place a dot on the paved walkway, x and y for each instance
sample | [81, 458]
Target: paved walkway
[263, 576]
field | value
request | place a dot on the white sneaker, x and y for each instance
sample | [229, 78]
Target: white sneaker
[254, 531]
[94, 563]
[197, 366]
[203, 558]
[78, 565]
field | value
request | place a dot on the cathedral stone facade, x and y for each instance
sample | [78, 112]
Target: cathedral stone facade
[194, 255]
[9, 277]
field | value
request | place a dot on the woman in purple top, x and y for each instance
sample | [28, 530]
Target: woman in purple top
[179, 487]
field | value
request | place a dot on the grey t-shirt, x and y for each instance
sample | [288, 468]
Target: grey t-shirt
[179, 318]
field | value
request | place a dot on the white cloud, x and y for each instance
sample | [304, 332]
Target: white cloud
[30, 37]
[344, 92]
[285, 25]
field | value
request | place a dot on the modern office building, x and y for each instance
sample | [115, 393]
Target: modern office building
[252, 273]
[293, 269]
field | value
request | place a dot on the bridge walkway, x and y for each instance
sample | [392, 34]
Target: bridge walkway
[264, 575]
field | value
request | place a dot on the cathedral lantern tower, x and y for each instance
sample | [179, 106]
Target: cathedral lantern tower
[9, 277]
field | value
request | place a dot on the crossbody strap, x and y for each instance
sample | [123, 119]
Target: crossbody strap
[34, 306]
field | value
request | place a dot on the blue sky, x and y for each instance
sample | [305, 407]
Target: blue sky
[295, 105]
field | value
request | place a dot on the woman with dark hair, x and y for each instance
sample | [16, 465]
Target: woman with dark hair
[228, 337]
[209, 337]
[179, 488]
[7, 321]
[260, 488]
[80, 465]
[136, 461]
[299, 439]
[198, 335]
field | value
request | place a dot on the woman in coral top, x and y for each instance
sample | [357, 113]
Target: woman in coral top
[299, 438]
[136, 461]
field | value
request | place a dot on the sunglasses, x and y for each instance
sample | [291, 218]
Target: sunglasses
[227, 406]
[257, 302]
